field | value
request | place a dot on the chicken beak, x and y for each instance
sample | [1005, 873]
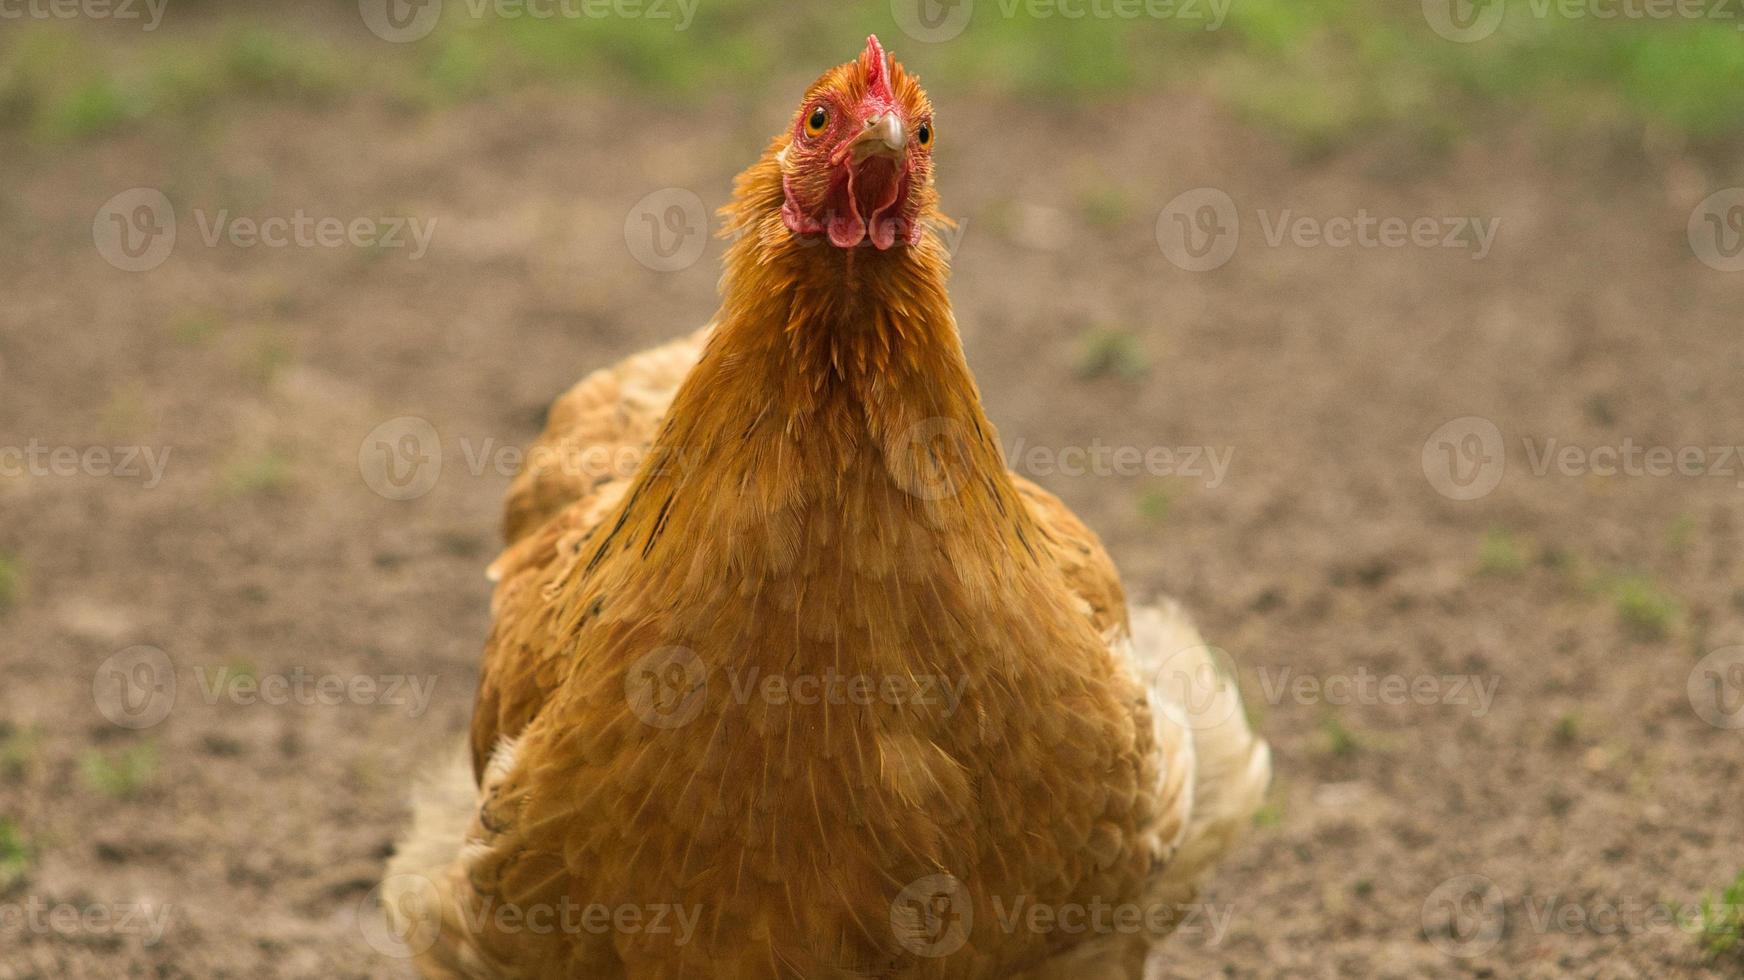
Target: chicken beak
[883, 135]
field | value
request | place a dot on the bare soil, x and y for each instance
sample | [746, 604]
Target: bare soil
[1326, 552]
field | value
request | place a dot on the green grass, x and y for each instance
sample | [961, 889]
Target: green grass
[241, 670]
[1155, 503]
[1722, 922]
[1644, 610]
[16, 855]
[1318, 72]
[11, 580]
[17, 753]
[126, 416]
[1106, 206]
[459, 544]
[268, 356]
[61, 84]
[1680, 534]
[1566, 732]
[1338, 740]
[265, 472]
[195, 329]
[91, 108]
[1110, 352]
[121, 775]
[1501, 554]
[266, 62]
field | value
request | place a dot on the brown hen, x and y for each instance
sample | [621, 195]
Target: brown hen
[817, 688]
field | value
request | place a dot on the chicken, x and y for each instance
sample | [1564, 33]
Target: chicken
[817, 688]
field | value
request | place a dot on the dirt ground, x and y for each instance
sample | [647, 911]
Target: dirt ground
[1585, 787]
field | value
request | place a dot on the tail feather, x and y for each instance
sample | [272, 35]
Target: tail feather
[1232, 765]
[421, 892]
[444, 800]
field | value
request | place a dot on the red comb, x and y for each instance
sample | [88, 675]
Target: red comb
[877, 69]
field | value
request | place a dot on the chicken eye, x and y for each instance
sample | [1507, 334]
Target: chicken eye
[814, 123]
[924, 134]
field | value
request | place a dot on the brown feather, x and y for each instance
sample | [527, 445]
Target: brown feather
[820, 495]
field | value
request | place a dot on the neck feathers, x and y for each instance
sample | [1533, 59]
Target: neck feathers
[831, 430]
[875, 321]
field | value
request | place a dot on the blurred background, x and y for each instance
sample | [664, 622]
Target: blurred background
[1399, 341]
